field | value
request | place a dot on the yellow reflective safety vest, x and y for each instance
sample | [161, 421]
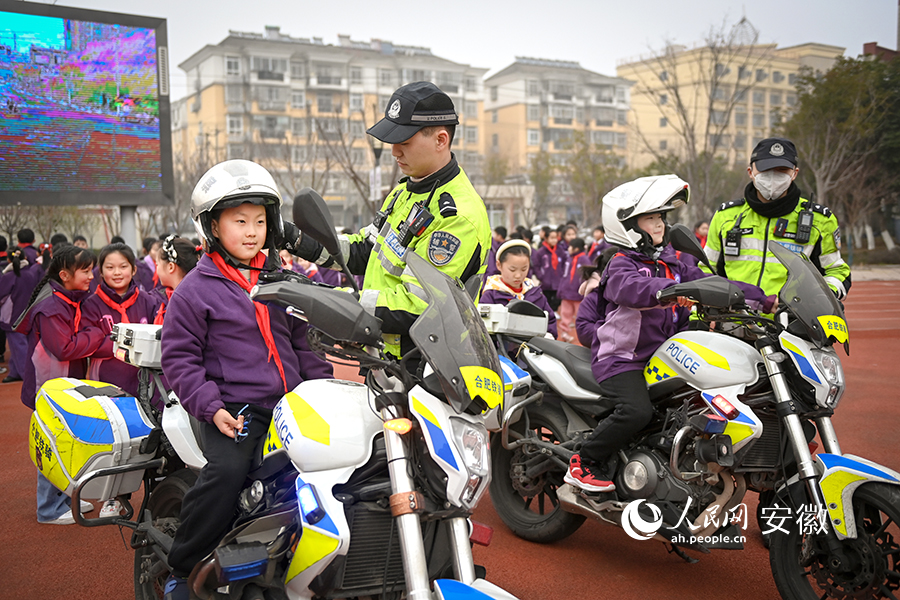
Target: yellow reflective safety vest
[749, 260]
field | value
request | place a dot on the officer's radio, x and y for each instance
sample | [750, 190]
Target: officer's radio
[416, 223]
[804, 226]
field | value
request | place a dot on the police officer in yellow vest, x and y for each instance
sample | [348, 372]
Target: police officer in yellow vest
[434, 212]
[773, 211]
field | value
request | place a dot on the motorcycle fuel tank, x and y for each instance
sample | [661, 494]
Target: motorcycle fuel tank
[324, 424]
[704, 360]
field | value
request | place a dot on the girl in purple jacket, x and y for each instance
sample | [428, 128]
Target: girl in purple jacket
[569, 293]
[512, 281]
[632, 323]
[175, 259]
[118, 299]
[549, 264]
[58, 347]
[229, 359]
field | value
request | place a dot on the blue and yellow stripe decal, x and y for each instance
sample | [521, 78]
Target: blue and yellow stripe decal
[313, 545]
[803, 363]
[511, 372]
[738, 429]
[657, 371]
[438, 437]
[713, 358]
[843, 474]
[450, 589]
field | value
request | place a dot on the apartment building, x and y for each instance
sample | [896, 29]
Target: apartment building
[730, 99]
[301, 107]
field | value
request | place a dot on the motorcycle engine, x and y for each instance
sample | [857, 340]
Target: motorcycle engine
[646, 476]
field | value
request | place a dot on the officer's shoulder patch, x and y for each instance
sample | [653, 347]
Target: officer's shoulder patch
[447, 205]
[819, 208]
[732, 204]
[442, 248]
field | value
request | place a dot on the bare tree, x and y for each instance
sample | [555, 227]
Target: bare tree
[698, 98]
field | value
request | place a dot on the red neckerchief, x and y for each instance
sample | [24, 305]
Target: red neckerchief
[262, 311]
[70, 302]
[120, 308]
[161, 313]
[575, 265]
[554, 258]
[155, 279]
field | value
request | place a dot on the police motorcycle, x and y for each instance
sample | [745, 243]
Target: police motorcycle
[360, 490]
[736, 410]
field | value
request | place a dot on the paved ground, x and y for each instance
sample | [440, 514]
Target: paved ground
[598, 561]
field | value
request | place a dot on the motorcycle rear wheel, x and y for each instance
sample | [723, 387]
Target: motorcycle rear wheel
[150, 572]
[530, 507]
[875, 553]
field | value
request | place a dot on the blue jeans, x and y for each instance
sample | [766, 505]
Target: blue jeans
[18, 354]
[51, 503]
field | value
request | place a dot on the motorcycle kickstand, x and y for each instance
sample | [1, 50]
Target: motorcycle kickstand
[673, 549]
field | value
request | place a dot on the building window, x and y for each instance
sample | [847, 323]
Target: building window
[493, 93]
[534, 112]
[235, 125]
[357, 129]
[324, 103]
[269, 65]
[790, 99]
[759, 118]
[356, 76]
[357, 157]
[663, 122]
[792, 78]
[740, 95]
[472, 135]
[470, 109]
[298, 127]
[605, 138]
[235, 151]
[471, 84]
[759, 97]
[494, 140]
[534, 87]
[298, 99]
[743, 72]
[622, 117]
[534, 137]
[718, 117]
[327, 74]
[722, 70]
[356, 102]
[664, 76]
[604, 116]
[774, 118]
[740, 141]
[775, 98]
[606, 94]
[622, 94]
[761, 75]
[777, 77]
[663, 99]
[232, 65]
[562, 114]
[386, 77]
[621, 140]
[234, 94]
[720, 93]
[298, 70]
[740, 118]
[298, 154]
[493, 116]
[663, 145]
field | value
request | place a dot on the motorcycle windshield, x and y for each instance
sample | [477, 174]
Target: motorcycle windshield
[809, 298]
[452, 338]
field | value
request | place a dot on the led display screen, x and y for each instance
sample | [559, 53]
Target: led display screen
[84, 112]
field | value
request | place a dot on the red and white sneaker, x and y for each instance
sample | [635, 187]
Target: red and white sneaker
[580, 475]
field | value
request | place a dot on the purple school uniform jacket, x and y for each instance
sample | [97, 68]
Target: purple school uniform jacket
[596, 249]
[55, 349]
[492, 259]
[497, 292]
[104, 367]
[571, 279]
[213, 351]
[542, 262]
[17, 290]
[636, 324]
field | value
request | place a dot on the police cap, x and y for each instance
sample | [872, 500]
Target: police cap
[774, 152]
[412, 107]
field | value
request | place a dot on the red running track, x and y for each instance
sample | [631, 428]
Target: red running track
[598, 561]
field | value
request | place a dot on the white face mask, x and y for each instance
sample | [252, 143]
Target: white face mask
[772, 184]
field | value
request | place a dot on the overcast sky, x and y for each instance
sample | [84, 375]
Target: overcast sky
[491, 33]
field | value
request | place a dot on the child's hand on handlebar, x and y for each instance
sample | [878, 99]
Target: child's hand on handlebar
[684, 301]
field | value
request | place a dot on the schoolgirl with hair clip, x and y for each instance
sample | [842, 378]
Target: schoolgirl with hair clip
[176, 257]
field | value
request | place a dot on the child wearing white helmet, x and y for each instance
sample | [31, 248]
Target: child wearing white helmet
[630, 323]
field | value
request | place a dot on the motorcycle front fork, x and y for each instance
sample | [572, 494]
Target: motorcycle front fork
[415, 564]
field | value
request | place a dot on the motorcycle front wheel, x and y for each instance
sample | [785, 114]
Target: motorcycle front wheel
[150, 572]
[527, 502]
[802, 568]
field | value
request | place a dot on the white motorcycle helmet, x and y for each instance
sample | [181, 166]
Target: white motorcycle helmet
[232, 183]
[645, 195]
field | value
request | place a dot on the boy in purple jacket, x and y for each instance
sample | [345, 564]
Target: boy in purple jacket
[512, 281]
[228, 358]
[632, 323]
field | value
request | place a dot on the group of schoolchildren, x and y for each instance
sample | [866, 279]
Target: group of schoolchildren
[605, 297]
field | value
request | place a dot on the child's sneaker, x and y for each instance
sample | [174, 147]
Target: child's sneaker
[581, 476]
[111, 508]
[176, 588]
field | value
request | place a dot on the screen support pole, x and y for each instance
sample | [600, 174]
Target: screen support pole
[129, 227]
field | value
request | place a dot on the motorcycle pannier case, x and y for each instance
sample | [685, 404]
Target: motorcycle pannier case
[138, 344]
[79, 426]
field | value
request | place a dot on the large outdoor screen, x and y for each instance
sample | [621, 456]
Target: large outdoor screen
[84, 107]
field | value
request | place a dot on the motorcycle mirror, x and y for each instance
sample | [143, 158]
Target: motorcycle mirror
[683, 240]
[312, 217]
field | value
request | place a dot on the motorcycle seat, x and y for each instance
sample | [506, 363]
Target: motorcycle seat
[577, 360]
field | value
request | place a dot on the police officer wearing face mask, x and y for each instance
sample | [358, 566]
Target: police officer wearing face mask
[773, 210]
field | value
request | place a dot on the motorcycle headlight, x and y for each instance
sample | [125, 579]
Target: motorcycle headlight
[830, 366]
[473, 446]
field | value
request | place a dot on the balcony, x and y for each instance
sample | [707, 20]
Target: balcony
[329, 81]
[269, 76]
[271, 106]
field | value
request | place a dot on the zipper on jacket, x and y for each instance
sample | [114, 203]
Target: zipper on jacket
[762, 267]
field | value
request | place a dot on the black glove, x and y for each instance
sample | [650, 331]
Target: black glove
[291, 236]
